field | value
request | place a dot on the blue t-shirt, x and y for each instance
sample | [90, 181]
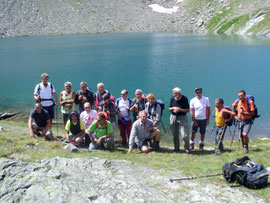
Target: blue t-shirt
[40, 118]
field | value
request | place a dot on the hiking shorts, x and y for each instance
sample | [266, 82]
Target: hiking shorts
[245, 125]
[50, 110]
[201, 125]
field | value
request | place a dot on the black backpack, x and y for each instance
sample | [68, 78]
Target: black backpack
[246, 172]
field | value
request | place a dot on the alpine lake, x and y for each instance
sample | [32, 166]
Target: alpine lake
[153, 62]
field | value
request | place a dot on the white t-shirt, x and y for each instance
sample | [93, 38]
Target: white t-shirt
[45, 93]
[88, 118]
[122, 108]
[199, 105]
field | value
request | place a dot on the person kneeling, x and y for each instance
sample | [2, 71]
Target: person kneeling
[143, 131]
[103, 134]
[75, 129]
[39, 122]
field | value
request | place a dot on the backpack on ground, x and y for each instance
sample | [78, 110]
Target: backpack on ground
[250, 97]
[161, 104]
[246, 172]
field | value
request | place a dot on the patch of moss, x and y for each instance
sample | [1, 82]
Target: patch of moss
[212, 24]
[236, 22]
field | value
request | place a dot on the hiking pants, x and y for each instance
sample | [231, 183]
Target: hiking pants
[218, 135]
[124, 130]
[179, 124]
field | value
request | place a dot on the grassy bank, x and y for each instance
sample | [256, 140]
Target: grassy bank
[15, 143]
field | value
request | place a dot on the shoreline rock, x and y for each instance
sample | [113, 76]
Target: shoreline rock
[98, 180]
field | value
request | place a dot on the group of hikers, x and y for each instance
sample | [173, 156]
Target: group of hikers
[95, 128]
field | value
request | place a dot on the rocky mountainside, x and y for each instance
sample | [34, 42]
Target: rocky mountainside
[97, 180]
[46, 17]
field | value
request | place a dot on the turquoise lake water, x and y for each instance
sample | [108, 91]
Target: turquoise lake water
[156, 63]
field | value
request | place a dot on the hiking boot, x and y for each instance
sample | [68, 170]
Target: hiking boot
[245, 149]
[191, 146]
[187, 151]
[201, 145]
[217, 152]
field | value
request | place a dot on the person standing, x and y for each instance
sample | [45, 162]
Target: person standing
[67, 99]
[245, 110]
[138, 104]
[43, 93]
[123, 105]
[108, 106]
[84, 95]
[153, 110]
[200, 114]
[98, 95]
[222, 115]
[179, 107]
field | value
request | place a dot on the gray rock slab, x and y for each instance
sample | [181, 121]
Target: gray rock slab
[98, 180]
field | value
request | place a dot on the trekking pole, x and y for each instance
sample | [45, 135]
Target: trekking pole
[56, 118]
[163, 126]
[233, 133]
[222, 135]
[195, 177]
[213, 130]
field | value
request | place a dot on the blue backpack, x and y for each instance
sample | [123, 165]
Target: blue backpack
[161, 104]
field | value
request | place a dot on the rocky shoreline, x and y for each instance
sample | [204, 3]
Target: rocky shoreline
[44, 17]
[97, 180]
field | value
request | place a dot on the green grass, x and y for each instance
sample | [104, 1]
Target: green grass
[216, 20]
[19, 145]
[236, 22]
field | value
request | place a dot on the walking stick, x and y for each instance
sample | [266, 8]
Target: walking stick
[56, 118]
[195, 177]
[233, 133]
[212, 130]
[221, 136]
[163, 126]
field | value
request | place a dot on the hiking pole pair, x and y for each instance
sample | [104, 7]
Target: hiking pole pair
[195, 177]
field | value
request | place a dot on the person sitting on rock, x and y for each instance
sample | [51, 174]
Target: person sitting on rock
[102, 130]
[39, 122]
[75, 129]
[142, 131]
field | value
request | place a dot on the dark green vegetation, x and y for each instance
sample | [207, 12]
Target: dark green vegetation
[15, 143]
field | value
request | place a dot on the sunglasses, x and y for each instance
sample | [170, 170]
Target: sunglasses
[88, 107]
[198, 92]
[68, 86]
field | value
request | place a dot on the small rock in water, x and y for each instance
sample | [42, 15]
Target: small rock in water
[1, 129]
